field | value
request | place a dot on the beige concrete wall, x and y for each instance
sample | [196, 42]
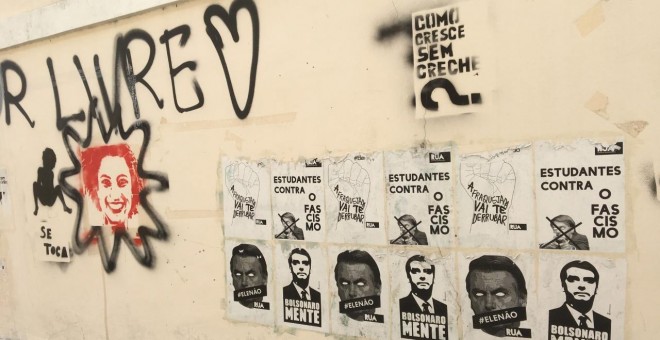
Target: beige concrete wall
[325, 86]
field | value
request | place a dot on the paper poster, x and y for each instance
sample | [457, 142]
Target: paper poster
[297, 198]
[495, 199]
[246, 198]
[6, 220]
[111, 187]
[420, 197]
[360, 292]
[249, 287]
[355, 199]
[580, 195]
[54, 242]
[584, 296]
[302, 283]
[424, 302]
[451, 61]
[495, 298]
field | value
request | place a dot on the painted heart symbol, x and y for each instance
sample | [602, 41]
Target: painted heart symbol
[229, 19]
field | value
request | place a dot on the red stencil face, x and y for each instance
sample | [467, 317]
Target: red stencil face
[110, 179]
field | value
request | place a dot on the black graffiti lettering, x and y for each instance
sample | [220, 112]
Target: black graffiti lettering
[456, 98]
[10, 98]
[113, 114]
[92, 104]
[142, 252]
[60, 122]
[184, 32]
[229, 19]
[124, 54]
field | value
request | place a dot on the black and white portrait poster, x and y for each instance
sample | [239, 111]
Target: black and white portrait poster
[451, 51]
[498, 295]
[583, 296]
[249, 276]
[360, 292]
[302, 284]
[297, 198]
[580, 195]
[419, 196]
[495, 198]
[6, 220]
[355, 200]
[424, 304]
[246, 198]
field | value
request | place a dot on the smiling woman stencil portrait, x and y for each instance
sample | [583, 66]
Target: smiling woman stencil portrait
[110, 180]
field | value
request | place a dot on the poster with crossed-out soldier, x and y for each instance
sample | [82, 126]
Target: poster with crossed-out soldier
[420, 197]
[298, 200]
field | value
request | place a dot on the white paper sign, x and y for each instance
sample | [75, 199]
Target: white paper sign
[424, 302]
[302, 268]
[496, 199]
[249, 281]
[355, 199]
[451, 65]
[576, 285]
[580, 195]
[420, 197]
[360, 292]
[297, 196]
[246, 198]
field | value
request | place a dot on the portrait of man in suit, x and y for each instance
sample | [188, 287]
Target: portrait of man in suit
[566, 235]
[410, 235]
[579, 279]
[300, 264]
[421, 276]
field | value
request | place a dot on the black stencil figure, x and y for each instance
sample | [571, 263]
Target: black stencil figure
[43, 188]
[580, 282]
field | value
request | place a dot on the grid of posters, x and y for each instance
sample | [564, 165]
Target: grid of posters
[431, 243]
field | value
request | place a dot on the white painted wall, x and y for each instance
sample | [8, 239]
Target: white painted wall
[25, 21]
[324, 86]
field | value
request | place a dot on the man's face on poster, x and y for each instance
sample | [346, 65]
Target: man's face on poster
[562, 227]
[421, 275]
[300, 267]
[114, 190]
[288, 224]
[246, 272]
[580, 284]
[355, 280]
[494, 290]
[406, 227]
